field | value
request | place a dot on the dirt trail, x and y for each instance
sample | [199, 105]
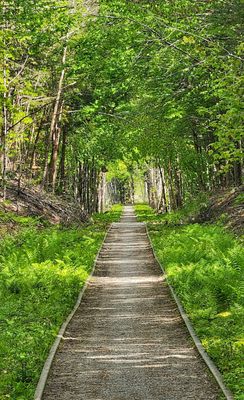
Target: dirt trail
[127, 340]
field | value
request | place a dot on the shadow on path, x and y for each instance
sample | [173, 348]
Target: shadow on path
[127, 340]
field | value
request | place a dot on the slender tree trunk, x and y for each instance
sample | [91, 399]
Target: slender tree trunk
[163, 202]
[91, 187]
[178, 188]
[33, 153]
[148, 186]
[198, 149]
[75, 182]
[173, 204]
[87, 188]
[238, 167]
[132, 185]
[51, 172]
[151, 188]
[46, 155]
[82, 186]
[5, 126]
[104, 191]
[4, 147]
[95, 185]
[54, 155]
[238, 173]
[62, 161]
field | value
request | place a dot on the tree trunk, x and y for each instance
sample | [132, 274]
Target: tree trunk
[151, 188]
[4, 133]
[33, 153]
[198, 149]
[238, 168]
[54, 133]
[173, 205]
[178, 188]
[132, 185]
[54, 154]
[163, 202]
[62, 161]
[101, 192]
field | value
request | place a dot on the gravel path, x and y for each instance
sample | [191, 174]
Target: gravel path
[127, 340]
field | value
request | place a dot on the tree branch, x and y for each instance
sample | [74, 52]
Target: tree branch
[28, 115]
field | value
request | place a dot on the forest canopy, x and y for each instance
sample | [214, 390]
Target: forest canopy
[156, 85]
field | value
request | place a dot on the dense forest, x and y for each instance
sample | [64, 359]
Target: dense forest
[153, 86]
[105, 103]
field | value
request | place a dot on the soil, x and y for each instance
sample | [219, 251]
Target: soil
[226, 206]
[34, 201]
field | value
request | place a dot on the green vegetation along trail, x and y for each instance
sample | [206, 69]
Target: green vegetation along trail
[127, 340]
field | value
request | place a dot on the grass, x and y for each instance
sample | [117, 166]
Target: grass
[42, 271]
[239, 199]
[205, 265]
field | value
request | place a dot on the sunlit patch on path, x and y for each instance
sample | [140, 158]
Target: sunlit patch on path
[127, 340]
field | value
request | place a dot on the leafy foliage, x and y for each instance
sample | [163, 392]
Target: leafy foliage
[126, 86]
[158, 83]
[42, 272]
[205, 266]
[179, 217]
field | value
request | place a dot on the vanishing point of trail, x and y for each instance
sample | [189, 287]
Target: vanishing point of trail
[127, 340]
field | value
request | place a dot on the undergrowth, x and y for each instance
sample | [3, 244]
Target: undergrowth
[42, 271]
[181, 216]
[205, 265]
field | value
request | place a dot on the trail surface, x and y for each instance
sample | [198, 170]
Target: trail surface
[127, 340]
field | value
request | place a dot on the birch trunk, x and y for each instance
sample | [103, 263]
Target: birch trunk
[163, 202]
